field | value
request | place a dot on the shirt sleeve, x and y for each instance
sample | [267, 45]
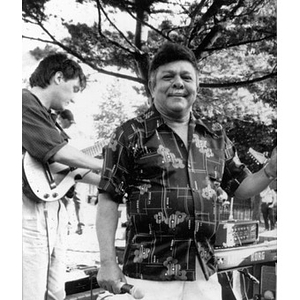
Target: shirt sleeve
[116, 167]
[40, 137]
[234, 172]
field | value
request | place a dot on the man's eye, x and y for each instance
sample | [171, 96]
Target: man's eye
[76, 89]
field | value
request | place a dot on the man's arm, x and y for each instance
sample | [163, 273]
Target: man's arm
[109, 273]
[257, 182]
[91, 178]
[73, 157]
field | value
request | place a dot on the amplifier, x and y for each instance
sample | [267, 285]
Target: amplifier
[236, 233]
[248, 255]
[268, 282]
[88, 295]
[82, 284]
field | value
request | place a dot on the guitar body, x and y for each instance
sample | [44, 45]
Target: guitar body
[50, 182]
[47, 186]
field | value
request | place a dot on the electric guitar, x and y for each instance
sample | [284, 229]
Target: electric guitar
[258, 157]
[50, 182]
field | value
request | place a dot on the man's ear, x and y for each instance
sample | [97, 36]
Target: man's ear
[150, 86]
[198, 84]
[151, 90]
[58, 77]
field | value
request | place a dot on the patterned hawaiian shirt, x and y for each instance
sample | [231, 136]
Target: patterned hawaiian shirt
[170, 193]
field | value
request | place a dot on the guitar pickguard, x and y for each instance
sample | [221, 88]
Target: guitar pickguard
[39, 183]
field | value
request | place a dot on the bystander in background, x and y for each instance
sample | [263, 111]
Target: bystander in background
[79, 191]
[268, 202]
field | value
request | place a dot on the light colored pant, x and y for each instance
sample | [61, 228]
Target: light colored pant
[80, 194]
[37, 271]
[200, 289]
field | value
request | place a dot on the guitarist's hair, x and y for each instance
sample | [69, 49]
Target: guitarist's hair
[57, 62]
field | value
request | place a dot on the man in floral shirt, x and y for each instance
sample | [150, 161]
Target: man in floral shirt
[169, 167]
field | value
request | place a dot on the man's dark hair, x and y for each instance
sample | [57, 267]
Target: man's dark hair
[53, 63]
[67, 114]
[170, 52]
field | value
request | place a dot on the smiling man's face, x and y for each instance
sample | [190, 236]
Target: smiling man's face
[175, 88]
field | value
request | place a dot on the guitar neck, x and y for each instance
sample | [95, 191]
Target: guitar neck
[93, 150]
[258, 157]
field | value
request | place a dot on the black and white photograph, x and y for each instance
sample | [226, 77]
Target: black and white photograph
[149, 150]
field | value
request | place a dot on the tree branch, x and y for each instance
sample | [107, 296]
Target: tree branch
[239, 44]
[85, 61]
[208, 40]
[210, 13]
[142, 81]
[146, 24]
[117, 29]
[238, 83]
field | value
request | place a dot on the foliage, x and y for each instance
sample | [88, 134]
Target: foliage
[233, 40]
[211, 28]
[111, 112]
[39, 53]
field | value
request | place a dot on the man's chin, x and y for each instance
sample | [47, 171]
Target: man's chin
[179, 106]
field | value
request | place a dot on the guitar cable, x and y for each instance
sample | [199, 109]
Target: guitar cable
[246, 288]
[48, 247]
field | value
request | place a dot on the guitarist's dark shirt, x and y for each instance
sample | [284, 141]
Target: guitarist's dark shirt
[41, 135]
[170, 192]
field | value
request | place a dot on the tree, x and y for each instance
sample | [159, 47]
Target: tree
[234, 42]
[210, 28]
[111, 112]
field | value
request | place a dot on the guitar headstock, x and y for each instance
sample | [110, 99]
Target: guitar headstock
[258, 157]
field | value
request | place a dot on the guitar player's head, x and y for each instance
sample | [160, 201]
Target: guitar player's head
[56, 80]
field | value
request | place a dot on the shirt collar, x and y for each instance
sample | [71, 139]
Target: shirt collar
[153, 120]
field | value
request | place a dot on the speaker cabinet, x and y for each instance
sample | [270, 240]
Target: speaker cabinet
[268, 282]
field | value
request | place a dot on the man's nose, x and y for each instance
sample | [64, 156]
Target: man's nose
[178, 82]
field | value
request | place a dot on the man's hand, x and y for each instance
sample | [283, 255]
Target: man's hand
[109, 275]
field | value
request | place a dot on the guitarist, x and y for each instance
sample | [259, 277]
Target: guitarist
[54, 84]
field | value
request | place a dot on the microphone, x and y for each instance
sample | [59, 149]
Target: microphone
[130, 289]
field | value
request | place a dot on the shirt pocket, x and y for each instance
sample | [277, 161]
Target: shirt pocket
[149, 165]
